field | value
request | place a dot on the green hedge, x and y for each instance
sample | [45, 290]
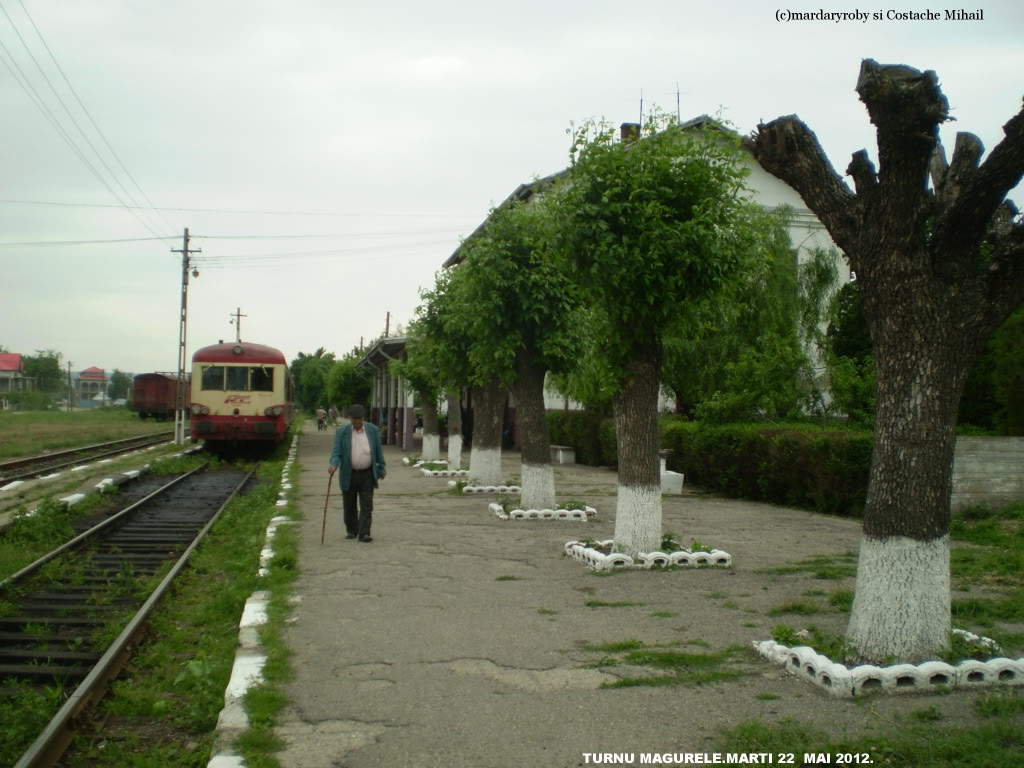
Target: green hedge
[795, 464]
[592, 437]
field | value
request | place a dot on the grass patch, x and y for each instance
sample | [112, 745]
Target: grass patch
[1000, 703]
[614, 647]
[767, 697]
[920, 745]
[508, 578]
[801, 607]
[664, 614]
[828, 567]
[27, 433]
[681, 668]
[547, 612]
[611, 604]
[841, 600]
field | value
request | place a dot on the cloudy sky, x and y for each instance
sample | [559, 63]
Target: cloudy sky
[327, 156]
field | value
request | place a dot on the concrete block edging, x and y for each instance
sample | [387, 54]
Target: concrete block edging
[600, 561]
[848, 682]
[542, 514]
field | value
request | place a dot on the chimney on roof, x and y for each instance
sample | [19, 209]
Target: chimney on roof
[629, 131]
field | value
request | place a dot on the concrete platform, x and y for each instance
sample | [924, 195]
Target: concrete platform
[409, 651]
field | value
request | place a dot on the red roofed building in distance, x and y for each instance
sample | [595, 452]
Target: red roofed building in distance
[91, 382]
[12, 374]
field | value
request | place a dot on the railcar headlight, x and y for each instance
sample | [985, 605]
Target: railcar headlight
[278, 410]
[205, 410]
[196, 409]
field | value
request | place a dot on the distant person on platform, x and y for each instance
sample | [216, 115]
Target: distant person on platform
[357, 450]
[321, 419]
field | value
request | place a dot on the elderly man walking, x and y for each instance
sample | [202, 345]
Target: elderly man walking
[357, 450]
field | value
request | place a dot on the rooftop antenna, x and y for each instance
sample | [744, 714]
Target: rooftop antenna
[641, 108]
[679, 118]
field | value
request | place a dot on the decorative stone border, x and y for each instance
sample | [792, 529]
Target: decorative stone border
[847, 682]
[542, 514]
[599, 561]
[491, 489]
[445, 472]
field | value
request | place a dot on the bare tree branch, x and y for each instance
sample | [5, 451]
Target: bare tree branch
[862, 170]
[906, 106]
[789, 150]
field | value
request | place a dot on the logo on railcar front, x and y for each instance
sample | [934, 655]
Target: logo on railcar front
[237, 399]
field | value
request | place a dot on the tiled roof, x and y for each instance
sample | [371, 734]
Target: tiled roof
[9, 361]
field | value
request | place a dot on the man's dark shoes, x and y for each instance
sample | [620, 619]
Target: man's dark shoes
[350, 535]
[366, 539]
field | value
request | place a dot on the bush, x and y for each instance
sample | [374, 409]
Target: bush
[592, 436]
[29, 401]
[795, 465]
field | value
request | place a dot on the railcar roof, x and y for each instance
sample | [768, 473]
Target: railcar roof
[251, 353]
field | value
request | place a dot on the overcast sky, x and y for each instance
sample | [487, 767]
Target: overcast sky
[327, 156]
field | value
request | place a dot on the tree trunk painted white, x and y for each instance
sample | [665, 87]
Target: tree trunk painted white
[484, 465]
[454, 430]
[538, 486]
[638, 519]
[901, 608]
[454, 451]
[638, 507]
[431, 446]
[538, 477]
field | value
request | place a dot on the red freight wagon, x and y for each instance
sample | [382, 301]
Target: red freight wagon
[156, 395]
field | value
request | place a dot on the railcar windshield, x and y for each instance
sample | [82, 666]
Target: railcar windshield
[262, 379]
[237, 378]
[213, 377]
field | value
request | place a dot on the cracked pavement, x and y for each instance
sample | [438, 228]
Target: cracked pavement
[456, 639]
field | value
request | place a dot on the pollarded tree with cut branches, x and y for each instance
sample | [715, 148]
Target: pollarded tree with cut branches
[940, 268]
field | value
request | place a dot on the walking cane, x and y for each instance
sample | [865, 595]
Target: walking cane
[330, 481]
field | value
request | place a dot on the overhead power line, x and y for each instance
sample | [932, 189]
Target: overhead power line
[330, 214]
[25, 82]
[84, 242]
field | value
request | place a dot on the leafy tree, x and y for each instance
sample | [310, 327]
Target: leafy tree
[440, 344]
[519, 316]
[652, 230]
[1008, 374]
[45, 366]
[119, 386]
[310, 374]
[346, 384]
[941, 268]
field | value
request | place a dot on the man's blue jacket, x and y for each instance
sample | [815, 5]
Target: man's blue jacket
[341, 456]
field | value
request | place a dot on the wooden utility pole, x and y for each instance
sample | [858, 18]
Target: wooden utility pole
[179, 411]
[238, 324]
[387, 325]
[69, 386]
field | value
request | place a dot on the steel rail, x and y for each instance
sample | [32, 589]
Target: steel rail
[51, 467]
[73, 543]
[70, 451]
[55, 737]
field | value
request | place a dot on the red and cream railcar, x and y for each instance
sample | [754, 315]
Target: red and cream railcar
[241, 392]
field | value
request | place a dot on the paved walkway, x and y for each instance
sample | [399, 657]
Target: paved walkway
[454, 639]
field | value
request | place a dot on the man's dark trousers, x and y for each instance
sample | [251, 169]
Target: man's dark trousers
[358, 524]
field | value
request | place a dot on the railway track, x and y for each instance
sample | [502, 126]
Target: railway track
[34, 466]
[102, 579]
